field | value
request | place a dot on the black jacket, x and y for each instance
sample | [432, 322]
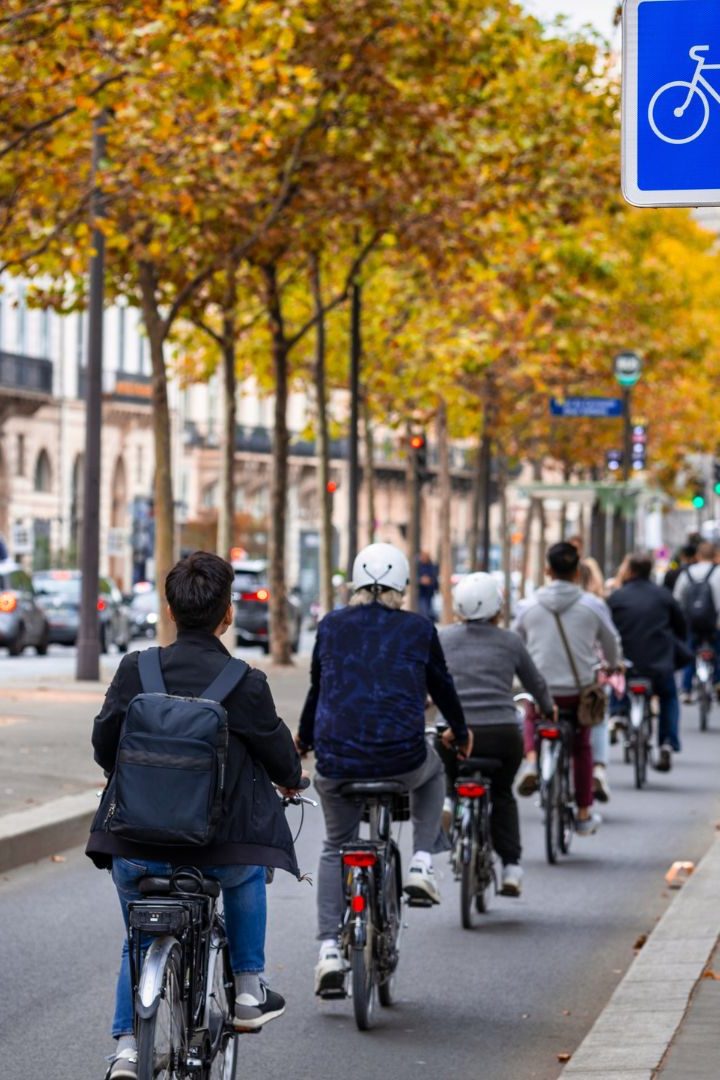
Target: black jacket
[649, 622]
[253, 829]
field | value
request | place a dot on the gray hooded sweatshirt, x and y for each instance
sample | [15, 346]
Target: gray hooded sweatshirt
[588, 628]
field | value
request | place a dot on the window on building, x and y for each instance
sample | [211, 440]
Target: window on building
[139, 465]
[45, 334]
[122, 331]
[141, 354]
[21, 325]
[20, 455]
[43, 476]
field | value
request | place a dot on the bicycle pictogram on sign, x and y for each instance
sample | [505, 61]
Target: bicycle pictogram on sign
[676, 99]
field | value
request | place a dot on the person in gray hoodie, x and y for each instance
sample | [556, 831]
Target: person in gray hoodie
[587, 624]
[484, 660]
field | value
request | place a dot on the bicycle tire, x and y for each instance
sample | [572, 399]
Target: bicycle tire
[161, 1037]
[468, 891]
[223, 1065]
[362, 972]
[704, 706]
[552, 811]
[640, 757]
[391, 932]
[566, 823]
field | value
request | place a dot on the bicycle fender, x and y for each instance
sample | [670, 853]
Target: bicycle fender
[147, 997]
[548, 760]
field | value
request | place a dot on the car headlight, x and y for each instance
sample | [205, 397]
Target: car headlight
[152, 617]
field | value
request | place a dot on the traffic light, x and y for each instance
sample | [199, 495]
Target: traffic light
[716, 477]
[639, 447]
[418, 448]
[698, 499]
[331, 487]
[613, 460]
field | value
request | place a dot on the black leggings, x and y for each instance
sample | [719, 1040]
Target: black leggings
[504, 742]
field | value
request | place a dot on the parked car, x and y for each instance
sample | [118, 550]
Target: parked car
[58, 593]
[250, 596]
[22, 620]
[143, 609]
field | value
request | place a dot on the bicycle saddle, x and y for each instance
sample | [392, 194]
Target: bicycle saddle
[485, 765]
[165, 886]
[369, 788]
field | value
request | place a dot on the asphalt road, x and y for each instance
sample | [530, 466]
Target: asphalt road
[496, 1003]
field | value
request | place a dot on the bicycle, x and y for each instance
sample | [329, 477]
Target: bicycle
[638, 744]
[471, 853]
[184, 987]
[372, 882]
[705, 673]
[554, 741]
[689, 92]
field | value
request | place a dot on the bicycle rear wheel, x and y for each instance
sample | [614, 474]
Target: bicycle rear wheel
[362, 972]
[704, 705]
[161, 1037]
[553, 822]
[223, 1044]
[566, 820]
[391, 933]
[469, 888]
[640, 757]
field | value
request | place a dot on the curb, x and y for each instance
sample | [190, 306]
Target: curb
[29, 835]
[631, 1037]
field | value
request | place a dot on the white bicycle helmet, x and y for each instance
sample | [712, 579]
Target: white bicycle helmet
[381, 564]
[477, 596]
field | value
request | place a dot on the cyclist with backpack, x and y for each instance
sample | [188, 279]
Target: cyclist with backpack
[697, 590]
[192, 745]
[651, 623]
[484, 661]
[373, 666]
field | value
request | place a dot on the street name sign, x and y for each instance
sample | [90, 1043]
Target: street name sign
[596, 407]
[671, 102]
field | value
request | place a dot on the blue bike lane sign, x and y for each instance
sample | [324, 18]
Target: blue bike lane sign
[671, 102]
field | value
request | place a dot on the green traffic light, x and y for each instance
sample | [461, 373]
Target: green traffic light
[699, 501]
[716, 489]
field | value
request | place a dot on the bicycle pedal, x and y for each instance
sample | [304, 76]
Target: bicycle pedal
[333, 995]
[417, 901]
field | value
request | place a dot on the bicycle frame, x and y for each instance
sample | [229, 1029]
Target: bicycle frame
[698, 77]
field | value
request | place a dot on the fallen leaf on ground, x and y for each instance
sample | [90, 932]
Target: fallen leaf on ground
[57, 858]
[567, 1012]
[642, 938]
[710, 974]
[563, 1056]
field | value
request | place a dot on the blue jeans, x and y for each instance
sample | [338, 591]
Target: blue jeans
[669, 720]
[245, 903]
[694, 643]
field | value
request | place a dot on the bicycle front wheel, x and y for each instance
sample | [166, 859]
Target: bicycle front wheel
[161, 1037]
[362, 971]
[704, 704]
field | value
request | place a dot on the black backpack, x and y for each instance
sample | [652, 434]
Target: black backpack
[699, 604]
[171, 760]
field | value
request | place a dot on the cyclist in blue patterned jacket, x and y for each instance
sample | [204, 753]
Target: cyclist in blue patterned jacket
[372, 669]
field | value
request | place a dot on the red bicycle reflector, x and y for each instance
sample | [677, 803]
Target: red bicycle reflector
[362, 859]
[468, 789]
[707, 654]
[8, 602]
[358, 904]
[549, 732]
[638, 688]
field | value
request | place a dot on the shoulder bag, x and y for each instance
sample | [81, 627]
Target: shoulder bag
[591, 708]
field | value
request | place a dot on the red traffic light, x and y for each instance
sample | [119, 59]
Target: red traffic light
[417, 442]
[331, 487]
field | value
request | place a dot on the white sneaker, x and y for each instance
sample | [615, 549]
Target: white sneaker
[512, 876]
[601, 787]
[588, 826]
[527, 778]
[330, 970]
[420, 883]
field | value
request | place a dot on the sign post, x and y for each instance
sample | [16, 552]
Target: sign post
[671, 102]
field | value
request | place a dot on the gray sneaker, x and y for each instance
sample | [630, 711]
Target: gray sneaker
[588, 826]
[251, 1014]
[124, 1066]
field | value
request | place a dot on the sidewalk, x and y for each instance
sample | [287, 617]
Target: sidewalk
[48, 779]
[663, 1021]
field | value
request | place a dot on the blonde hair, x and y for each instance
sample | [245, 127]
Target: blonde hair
[389, 598]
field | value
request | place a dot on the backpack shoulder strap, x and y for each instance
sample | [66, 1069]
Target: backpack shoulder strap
[568, 650]
[711, 572]
[229, 678]
[150, 672]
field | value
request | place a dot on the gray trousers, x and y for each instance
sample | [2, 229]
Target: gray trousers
[426, 785]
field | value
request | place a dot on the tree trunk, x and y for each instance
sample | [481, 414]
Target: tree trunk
[163, 487]
[505, 541]
[279, 641]
[325, 499]
[226, 510]
[526, 542]
[541, 544]
[413, 500]
[475, 504]
[444, 509]
[369, 468]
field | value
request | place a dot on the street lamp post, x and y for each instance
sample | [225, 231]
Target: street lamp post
[628, 367]
[88, 653]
